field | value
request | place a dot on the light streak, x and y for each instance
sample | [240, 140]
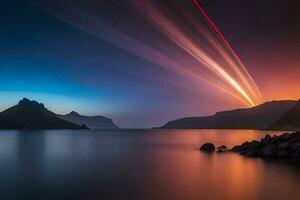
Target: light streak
[212, 24]
[178, 37]
[221, 69]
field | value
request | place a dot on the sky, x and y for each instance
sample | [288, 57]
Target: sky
[145, 62]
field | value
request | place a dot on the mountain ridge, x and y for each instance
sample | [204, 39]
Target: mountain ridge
[29, 114]
[258, 117]
[290, 120]
[93, 122]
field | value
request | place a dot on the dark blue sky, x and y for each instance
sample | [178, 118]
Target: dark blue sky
[66, 68]
[46, 59]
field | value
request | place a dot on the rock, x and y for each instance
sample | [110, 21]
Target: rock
[266, 140]
[254, 145]
[296, 155]
[236, 149]
[222, 149]
[208, 147]
[284, 137]
[247, 148]
[295, 146]
[283, 154]
[284, 146]
[269, 151]
[295, 138]
[240, 148]
[250, 153]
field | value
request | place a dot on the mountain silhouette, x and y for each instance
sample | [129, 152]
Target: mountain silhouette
[32, 115]
[259, 117]
[290, 120]
[93, 122]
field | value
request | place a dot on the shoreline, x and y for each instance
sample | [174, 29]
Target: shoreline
[283, 147]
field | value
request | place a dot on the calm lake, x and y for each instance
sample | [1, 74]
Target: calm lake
[138, 165]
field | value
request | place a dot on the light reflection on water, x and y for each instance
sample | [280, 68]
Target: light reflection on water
[138, 164]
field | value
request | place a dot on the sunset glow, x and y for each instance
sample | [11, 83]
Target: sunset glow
[222, 64]
[205, 56]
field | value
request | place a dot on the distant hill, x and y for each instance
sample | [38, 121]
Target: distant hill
[290, 120]
[32, 115]
[259, 117]
[95, 122]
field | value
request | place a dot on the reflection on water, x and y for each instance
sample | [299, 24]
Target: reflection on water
[137, 164]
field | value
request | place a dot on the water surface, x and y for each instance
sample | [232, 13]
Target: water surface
[138, 165]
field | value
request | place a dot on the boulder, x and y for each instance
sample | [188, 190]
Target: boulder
[284, 137]
[208, 147]
[269, 151]
[295, 146]
[295, 138]
[283, 154]
[266, 140]
[236, 149]
[296, 155]
[284, 146]
[222, 149]
[251, 153]
[247, 148]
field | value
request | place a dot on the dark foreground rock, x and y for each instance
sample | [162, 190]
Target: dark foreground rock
[286, 146]
[208, 147]
[222, 149]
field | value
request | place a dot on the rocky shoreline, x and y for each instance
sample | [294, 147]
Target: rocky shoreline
[285, 146]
